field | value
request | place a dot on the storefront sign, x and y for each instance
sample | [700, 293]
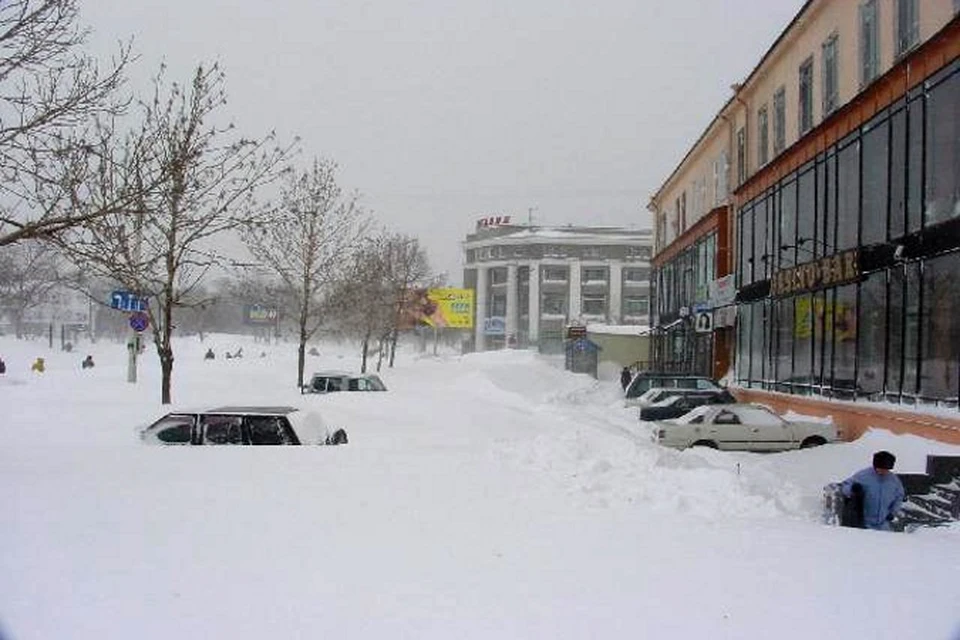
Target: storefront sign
[826, 272]
[492, 221]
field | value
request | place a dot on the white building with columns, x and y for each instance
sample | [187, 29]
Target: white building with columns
[530, 281]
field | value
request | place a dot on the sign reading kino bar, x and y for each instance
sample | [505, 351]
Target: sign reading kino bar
[826, 272]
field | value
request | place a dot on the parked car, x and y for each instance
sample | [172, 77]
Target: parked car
[646, 380]
[331, 381]
[740, 427]
[675, 406]
[242, 426]
[660, 394]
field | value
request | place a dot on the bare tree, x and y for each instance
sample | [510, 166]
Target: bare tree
[307, 242]
[407, 267]
[29, 273]
[200, 182]
[51, 97]
[361, 303]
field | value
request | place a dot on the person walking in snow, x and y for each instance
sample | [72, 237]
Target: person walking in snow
[881, 489]
[625, 378]
[87, 362]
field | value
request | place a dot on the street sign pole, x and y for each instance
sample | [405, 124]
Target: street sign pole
[132, 353]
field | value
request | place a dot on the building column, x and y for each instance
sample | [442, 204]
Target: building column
[573, 275]
[533, 330]
[615, 287]
[512, 312]
[481, 302]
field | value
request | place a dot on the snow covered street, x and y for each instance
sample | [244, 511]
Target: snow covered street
[486, 496]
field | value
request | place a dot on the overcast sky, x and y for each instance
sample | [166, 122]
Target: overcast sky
[443, 112]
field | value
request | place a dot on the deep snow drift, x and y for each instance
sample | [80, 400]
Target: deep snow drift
[486, 496]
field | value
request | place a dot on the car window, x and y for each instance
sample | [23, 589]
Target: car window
[726, 417]
[265, 430]
[760, 416]
[334, 384]
[705, 385]
[222, 430]
[693, 417]
[686, 383]
[174, 429]
[319, 384]
[356, 384]
[376, 384]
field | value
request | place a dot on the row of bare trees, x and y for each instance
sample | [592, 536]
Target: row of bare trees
[142, 192]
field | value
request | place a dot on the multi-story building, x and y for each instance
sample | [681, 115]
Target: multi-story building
[831, 178]
[532, 281]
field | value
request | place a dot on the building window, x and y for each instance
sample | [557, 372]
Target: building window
[555, 274]
[763, 137]
[498, 305]
[554, 304]
[498, 275]
[779, 120]
[741, 155]
[908, 25]
[636, 306]
[594, 274]
[806, 95]
[943, 152]
[831, 88]
[720, 179]
[636, 274]
[869, 42]
[594, 305]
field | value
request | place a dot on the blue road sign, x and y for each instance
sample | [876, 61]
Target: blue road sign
[139, 321]
[127, 301]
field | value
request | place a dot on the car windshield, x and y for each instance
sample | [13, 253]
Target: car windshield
[759, 416]
[692, 415]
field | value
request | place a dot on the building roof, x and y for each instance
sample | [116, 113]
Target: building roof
[515, 234]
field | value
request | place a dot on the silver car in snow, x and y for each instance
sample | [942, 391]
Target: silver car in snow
[741, 427]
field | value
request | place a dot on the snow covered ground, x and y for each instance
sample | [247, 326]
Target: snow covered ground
[486, 496]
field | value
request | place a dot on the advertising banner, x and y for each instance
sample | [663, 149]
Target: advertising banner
[257, 314]
[446, 307]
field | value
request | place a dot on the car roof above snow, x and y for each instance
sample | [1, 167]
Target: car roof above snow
[242, 410]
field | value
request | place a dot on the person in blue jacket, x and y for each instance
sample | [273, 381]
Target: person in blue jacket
[882, 491]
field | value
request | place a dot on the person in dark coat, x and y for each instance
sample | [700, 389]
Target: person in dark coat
[625, 378]
[87, 362]
[3, 366]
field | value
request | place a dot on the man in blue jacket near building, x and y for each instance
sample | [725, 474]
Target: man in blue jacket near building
[882, 491]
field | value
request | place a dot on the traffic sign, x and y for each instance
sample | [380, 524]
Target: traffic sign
[127, 301]
[139, 321]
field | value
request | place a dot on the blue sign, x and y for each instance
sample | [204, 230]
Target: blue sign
[139, 321]
[127, 301]
[494, 326]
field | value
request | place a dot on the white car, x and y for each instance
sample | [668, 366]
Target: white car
[334, 381]
[242, 426]
[741, 427]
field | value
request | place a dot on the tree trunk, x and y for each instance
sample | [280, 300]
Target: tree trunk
[393, 347]
[165, 349]
[301, 360]
[363, 354]
[382, 344]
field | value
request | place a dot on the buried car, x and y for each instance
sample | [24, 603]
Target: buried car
[648, 380]
[332, 381]
[242, 426]
[741, 427]
[675, 405]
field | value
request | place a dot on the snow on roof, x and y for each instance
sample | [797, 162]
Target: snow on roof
[619, 329]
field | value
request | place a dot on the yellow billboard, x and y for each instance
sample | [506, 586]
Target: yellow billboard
[442, 307]
[452, 308]
[827, 316]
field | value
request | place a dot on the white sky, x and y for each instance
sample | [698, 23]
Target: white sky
[440, 113]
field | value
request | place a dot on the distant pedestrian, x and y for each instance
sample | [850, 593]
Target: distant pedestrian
[209, 355]
[3, 366]
[881, 489]
[625, 378]
[38, 365]
[87, 362]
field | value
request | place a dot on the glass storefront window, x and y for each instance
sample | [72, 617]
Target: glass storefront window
[787, 239]
[843, 317]
[746, 247]
[806, 215]
[914, 164]
[941, 328]
[785, 330]
[761, 261]
[898, 167]
[848, 196]
[802, 344]
[911, 337]
[894, 375]
[943, 151]
[872, 326]
[875, 164]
